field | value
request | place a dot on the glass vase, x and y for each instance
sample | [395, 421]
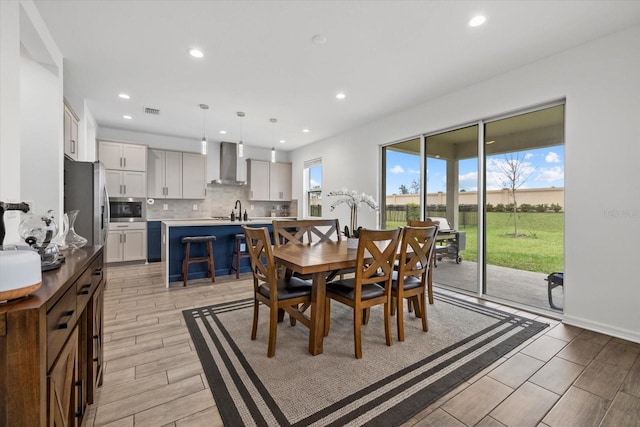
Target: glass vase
[73, 240]
[61, 238]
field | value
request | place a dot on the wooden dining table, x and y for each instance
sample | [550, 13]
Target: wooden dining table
[318, 259]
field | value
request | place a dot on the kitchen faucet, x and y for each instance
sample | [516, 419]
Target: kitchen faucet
[239, 216]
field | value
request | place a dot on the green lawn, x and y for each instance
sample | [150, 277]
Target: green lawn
[541, 250]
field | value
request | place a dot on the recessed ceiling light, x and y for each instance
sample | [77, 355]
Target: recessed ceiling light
[127, 117]
[319, 39]
[223, 132]
[341, 95]
[124, 96]
[305, 130]
[477, 21]
[282, 141]
[196, 53]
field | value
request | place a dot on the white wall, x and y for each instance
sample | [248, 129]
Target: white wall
[29, 62]
[41, 153]
[601, 83]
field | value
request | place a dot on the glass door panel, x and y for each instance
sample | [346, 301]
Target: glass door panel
[401, 181]
[524, 194]
[452, 196]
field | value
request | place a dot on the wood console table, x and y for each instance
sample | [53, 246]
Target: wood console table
[51, 345]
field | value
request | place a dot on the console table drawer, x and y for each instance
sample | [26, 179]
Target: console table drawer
[60, 322]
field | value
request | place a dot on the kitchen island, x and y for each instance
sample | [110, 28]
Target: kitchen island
[225, 230]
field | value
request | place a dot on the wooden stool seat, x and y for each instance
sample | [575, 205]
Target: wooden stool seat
[237, 254]
[187, 241]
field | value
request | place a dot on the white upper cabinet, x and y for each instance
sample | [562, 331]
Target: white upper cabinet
[280, 182]
[70, 132]
[269, 181]
[164, 174]
[123, 156]
[194, 176]
[126, 183]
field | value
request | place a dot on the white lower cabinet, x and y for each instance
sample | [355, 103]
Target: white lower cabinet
[127, 241]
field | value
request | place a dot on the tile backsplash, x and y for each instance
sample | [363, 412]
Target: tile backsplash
[219, 202]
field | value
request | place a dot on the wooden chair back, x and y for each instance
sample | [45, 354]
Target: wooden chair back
[375, 257]
[305, 231]
[263, 264]
[416, 250]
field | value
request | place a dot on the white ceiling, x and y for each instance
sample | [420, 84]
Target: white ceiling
[386, 56]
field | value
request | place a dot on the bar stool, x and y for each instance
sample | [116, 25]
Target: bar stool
[237, 254]
[187, 241]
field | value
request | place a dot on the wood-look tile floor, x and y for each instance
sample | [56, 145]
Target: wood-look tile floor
[565, 376]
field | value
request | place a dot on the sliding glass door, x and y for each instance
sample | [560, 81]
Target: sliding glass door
[524, 193]
[451, 198]
[497, 188]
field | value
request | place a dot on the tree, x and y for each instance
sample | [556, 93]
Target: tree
[515, 172]
[403, 189]
[415, 187]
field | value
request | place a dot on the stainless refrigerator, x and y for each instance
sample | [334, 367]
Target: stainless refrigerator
[85, 190]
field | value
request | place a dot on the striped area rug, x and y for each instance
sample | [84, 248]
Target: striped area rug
[387, 386]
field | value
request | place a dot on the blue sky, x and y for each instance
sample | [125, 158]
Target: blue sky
[543, 166]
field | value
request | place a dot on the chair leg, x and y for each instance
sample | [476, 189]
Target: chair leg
[430, 285]
[237, 252]
[387, 323]
[357, 326]
[185, 264]
[256, 307]
[273, 329]
[365, 315]
[210, 265]
[394, 301]
[400, 318]
[292, 320]
[280, 315]
[422, 302]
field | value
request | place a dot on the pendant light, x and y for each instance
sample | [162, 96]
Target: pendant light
[241, 144]
[204, 108]
[273, 145]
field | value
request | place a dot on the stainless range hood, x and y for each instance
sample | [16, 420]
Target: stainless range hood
[232, 169]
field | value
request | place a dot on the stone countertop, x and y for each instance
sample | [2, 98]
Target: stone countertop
[213, 221]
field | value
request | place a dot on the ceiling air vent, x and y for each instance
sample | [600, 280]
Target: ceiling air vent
[153, 111]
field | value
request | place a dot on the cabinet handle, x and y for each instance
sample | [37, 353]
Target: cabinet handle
[125, 162]
[120, 161]
[68, 315]
[125, 189]
[95, 359]
[125, 238]
[97, 271]
[80, 401]
[84, 290]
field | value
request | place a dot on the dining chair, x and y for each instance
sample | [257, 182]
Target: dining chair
[371, 285]
[416, 250]
[315, 230]
[305, 231]
[276, 293]
[417, 223]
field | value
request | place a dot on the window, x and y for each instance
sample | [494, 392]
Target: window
[313, 185]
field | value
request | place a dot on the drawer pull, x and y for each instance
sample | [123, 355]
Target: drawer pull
[68, 315]
[97, 272]
[84, 290]
[80, 410]
[95, 337]
[95, 359]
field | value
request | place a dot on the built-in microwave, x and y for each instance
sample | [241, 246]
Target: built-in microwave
[127, 209]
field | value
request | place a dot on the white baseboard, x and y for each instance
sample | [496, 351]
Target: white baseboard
[625, 334]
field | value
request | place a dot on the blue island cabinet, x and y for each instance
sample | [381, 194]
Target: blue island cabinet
[173, 249]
